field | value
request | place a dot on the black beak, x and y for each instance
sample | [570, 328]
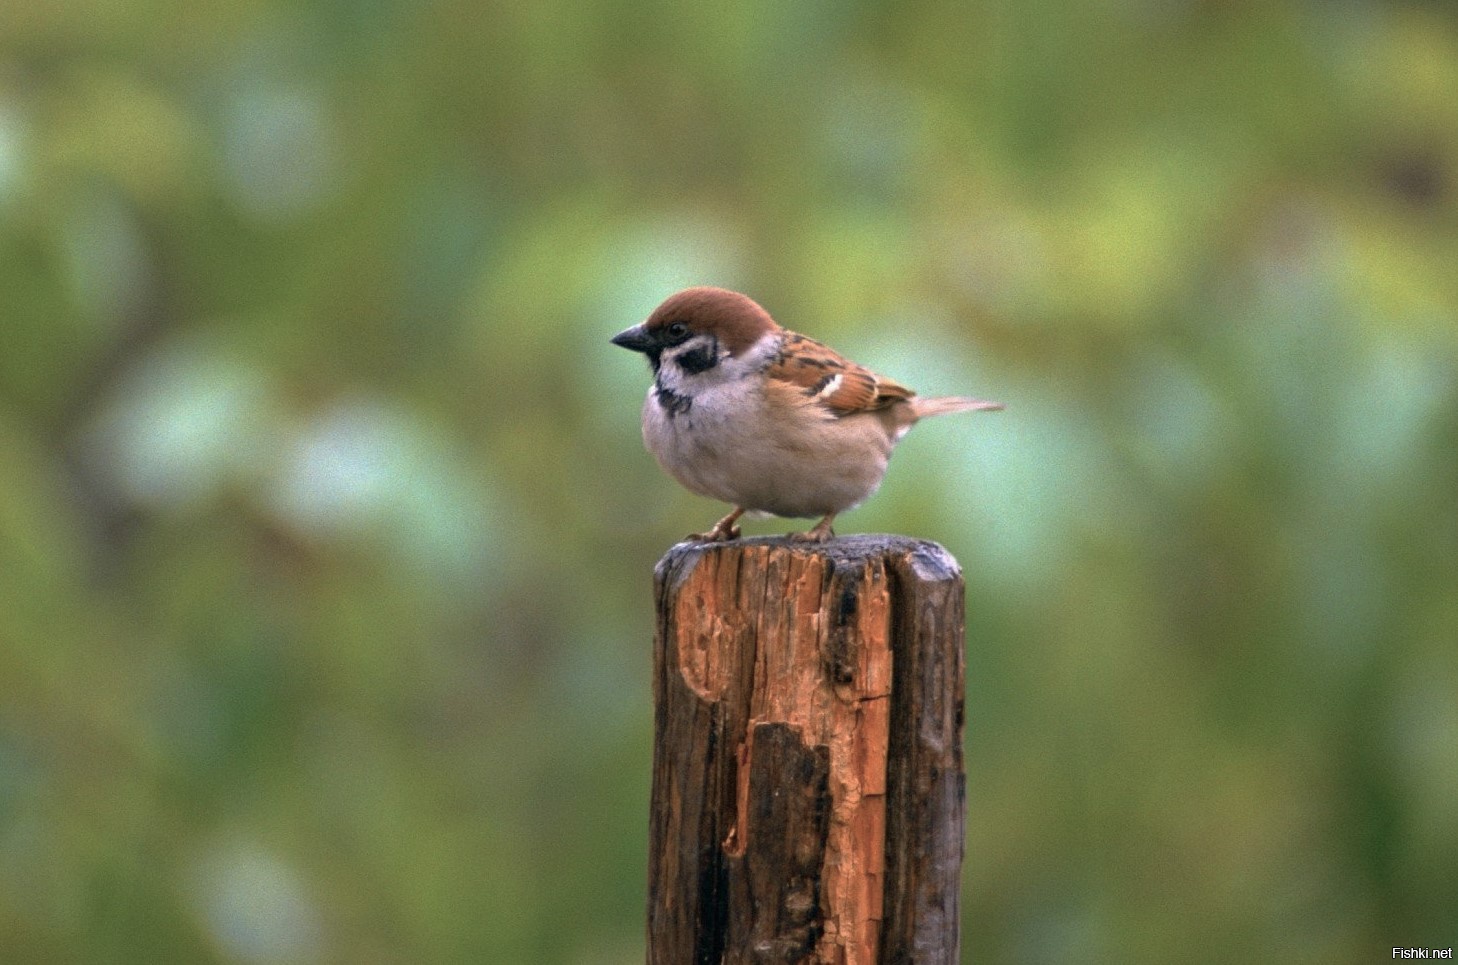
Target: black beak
[636, 339]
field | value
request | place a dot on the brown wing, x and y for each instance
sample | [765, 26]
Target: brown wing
[838, 384]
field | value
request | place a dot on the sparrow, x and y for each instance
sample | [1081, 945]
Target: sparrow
[765, 419]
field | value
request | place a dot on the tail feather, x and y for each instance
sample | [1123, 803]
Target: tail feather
[947, 404]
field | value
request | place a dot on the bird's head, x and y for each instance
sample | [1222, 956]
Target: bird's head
[698, 328]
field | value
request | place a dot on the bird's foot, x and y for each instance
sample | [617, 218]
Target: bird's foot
[723, 530]
[819, 533]
[716, 535]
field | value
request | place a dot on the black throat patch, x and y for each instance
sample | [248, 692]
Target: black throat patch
[673, 403]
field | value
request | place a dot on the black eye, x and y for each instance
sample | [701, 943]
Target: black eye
[678, 331]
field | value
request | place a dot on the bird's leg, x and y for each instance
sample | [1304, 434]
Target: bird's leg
[724, 529]
[819, 533]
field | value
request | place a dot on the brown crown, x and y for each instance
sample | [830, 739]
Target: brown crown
[736, 320]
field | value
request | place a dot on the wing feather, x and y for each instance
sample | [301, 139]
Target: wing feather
[832, 381]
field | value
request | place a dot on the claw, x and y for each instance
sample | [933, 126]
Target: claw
[723, 530]
[715, 535]
[817, 534]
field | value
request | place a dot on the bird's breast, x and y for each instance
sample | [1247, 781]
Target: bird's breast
[727, 444]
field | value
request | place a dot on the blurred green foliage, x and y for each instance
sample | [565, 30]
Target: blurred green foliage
[325, 531]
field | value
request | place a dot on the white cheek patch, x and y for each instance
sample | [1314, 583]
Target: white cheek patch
[698, 345]
[698, 362]
[683, 370]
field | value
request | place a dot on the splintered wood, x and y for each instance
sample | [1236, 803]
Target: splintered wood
[807, 790]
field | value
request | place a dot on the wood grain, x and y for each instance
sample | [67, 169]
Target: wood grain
[807, 777]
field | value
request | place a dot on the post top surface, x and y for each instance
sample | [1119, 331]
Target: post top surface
[929, 560]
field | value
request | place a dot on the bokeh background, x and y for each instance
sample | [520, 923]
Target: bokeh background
[326, 534]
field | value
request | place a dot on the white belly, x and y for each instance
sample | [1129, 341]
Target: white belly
[762, 464]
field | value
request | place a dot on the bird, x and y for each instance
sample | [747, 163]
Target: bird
[768, 420]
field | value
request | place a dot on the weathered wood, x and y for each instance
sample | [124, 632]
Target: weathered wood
[808, 785]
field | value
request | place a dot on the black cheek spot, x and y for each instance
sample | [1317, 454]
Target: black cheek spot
[699, 360]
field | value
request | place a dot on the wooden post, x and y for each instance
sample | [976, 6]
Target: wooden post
[808, 790]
